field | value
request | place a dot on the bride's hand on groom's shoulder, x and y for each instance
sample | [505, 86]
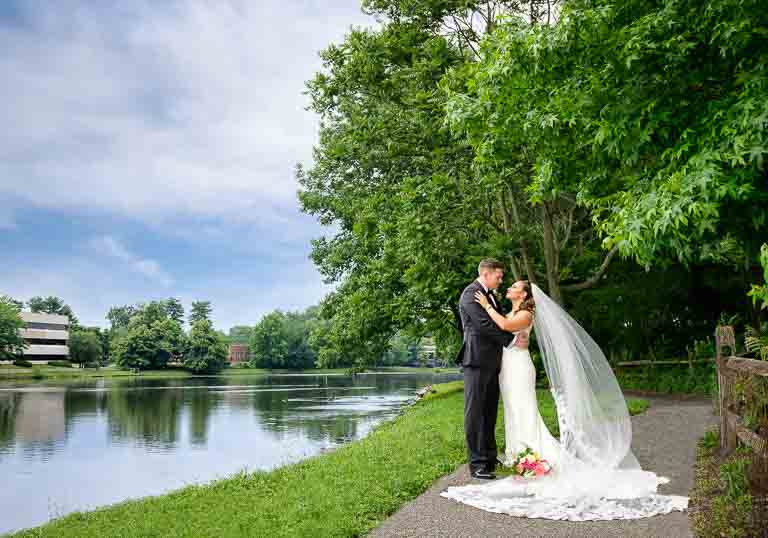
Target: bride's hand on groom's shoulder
[482, 299]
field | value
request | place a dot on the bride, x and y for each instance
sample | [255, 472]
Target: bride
[595, 475]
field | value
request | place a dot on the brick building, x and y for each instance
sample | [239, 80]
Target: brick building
[238, 353]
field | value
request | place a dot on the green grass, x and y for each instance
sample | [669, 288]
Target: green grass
[721, 502]
[342, 493]
[58, 372]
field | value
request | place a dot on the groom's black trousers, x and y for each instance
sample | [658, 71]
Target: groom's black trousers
[481, 406]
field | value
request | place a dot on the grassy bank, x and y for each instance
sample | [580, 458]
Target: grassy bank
[341, 493]
[10, 372]
[721, 503]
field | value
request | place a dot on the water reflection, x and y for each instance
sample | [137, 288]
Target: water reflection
[126, 438]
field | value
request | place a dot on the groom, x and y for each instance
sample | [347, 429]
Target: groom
[480, 355]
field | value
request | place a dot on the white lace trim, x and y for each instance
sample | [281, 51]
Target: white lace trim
[579, 494]
[569, 509]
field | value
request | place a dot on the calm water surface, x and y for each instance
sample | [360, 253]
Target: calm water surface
[67, 446]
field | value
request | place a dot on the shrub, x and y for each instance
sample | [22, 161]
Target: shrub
[23, 363]
[60, 364]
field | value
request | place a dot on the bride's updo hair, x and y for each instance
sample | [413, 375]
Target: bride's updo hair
[528, 303]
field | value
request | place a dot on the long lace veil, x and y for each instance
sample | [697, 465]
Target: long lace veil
[594, 421]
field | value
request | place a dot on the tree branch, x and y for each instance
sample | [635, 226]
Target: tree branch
[523, 243]
[591, 281]
[568, 228]
[461, 33]
[515, 267]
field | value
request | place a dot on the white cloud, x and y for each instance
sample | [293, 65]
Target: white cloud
[162, 111]
[113, 247]
[187, 115]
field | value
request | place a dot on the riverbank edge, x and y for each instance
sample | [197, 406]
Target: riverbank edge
[14, 373]
[345, 492]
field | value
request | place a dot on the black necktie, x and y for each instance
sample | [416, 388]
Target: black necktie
[491, 298]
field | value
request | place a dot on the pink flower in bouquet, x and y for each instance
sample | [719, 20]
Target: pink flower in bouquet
[529, 464]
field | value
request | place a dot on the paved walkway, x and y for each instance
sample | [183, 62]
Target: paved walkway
[664, 441]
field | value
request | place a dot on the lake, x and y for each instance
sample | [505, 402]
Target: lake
[76, 445]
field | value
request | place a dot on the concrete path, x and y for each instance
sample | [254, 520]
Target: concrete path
[664, 441]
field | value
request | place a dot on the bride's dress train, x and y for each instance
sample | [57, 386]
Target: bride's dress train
[594, 474]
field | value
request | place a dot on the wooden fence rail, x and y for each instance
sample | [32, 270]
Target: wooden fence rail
[742, 394]
[730, 372]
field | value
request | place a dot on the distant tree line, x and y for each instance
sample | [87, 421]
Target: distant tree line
[152, 336]
[140, 336]
[295, 339]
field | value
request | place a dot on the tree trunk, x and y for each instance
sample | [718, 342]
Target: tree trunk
[527, 264]
[551, 257]
[507, 224]
[515, 268]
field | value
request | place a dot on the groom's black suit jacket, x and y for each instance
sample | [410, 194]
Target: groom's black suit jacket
[483, 340]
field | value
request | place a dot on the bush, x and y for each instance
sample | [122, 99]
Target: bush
[670, 379]
[60, 364]
[22, 363]
[721, 501]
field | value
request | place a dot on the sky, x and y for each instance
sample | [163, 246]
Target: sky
[148, 151]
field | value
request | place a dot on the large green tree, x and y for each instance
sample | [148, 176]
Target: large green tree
[269, 343]
[240, 334]
[174, 310]
[152, 339]
[201, 310]
[120, 316]
[53, 305]
[287, 340]
[84, 347]
[11, 343]
[415, 211]
[206, 351]
[650, 115]
[19, 305]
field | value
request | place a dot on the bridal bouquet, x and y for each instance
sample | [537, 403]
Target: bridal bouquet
[529, 464]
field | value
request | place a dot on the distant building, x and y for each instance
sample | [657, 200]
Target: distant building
[46, 335]
[238, 353]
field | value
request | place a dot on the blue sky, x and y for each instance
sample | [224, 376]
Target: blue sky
[148, 150]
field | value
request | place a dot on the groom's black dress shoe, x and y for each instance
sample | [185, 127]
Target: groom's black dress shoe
[483, 474]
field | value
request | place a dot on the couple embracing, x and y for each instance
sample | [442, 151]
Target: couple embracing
[594, 474]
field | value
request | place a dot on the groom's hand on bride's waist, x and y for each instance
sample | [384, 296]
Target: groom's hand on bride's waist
[521, 341]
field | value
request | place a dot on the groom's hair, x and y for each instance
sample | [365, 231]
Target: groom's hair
[489, 264]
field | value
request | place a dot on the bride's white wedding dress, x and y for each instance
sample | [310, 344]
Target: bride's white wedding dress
[595, 476]
[523, 425]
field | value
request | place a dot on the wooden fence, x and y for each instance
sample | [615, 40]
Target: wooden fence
[732, 373]
[743, 396]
